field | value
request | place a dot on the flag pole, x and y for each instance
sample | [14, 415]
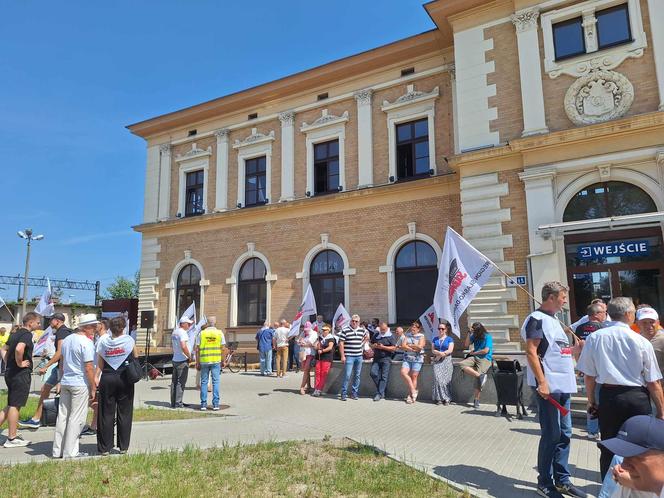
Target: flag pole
[565, 327]
[8, 310]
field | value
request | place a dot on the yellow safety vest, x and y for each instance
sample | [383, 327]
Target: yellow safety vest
[210, 347]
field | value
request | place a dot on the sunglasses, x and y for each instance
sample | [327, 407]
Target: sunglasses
[442, 328]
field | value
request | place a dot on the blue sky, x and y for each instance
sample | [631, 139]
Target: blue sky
[74, 74]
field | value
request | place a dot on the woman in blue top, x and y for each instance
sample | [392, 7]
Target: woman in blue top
[441, 358]
[478, 360]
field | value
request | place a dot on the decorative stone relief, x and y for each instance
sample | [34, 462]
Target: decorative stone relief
[324, 120]
[600, 96]
[525, 20]
[194, 153]
[255, 137]
[363, 97]
[222, 133]
[411, 95]
[287, 118]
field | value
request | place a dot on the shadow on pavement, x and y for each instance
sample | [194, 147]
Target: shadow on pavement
[536, 432]
[46, 448]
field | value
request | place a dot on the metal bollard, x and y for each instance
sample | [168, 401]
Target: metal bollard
[245, 362]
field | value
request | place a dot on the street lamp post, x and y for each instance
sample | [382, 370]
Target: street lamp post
[29, 236]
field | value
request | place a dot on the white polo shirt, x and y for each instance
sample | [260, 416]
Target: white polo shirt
[617, 355]
[179, 335]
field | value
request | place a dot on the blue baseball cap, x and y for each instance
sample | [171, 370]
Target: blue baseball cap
[637, 435]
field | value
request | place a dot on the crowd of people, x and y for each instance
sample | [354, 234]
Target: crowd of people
[622, 374]
[91, 366]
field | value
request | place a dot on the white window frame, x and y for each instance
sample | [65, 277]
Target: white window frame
[192, 160]
[171, 286]
[411, 106]
[234, 279]
[256, 145]
[594, 58]
[325, 129]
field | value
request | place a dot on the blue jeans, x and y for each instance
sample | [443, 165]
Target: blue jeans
[556, 432]
[352, 362]
[592, 424]
[215, 370]
[266, 361]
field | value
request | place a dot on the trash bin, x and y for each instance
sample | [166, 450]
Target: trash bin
[508, 377]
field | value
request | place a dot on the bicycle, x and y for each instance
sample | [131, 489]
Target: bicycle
[234, 360]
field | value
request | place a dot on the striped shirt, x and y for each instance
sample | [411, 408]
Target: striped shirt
[352, 340]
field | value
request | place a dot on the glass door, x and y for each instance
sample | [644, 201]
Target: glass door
[589, 286]
[643, 286]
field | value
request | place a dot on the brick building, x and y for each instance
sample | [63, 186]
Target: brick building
[534, 128]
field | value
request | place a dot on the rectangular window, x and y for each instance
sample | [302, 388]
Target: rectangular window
[254, 182]
[613, 26]
[326, 167]
[413, 149]
[194, 193]
[568, 38]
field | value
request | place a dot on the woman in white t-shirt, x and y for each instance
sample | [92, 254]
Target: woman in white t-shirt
[116, 394]
[307, 341]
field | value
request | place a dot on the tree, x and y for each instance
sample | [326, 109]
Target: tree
[123, 288]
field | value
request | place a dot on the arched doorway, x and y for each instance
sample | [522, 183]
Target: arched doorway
[416, 272]
[326, 277]
[611, 263]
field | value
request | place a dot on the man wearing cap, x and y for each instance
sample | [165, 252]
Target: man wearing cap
[625, 365]
[78, 387]
[641, 442]
[61, 333]
[180, 361]
[647, 320]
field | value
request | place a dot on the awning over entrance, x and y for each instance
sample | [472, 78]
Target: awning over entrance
[613, 222]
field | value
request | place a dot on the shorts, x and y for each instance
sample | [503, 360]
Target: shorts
[480, 365]
[52, 375]
[415, 366]
[18, 387]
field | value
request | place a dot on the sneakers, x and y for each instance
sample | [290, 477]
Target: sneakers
[476, 404]
[17, 442]
[549, 492]
[203, 408]
[88, 431]
[377, 397]
[343, 397]
[354, 397]
[593, 436]
[215, 408]
[316, 393]
[80, 454]
[570, 490]
[28, 423]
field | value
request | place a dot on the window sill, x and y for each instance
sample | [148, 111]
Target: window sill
[412, 178]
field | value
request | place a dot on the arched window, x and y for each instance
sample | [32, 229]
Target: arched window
[252, 293]
[602, 200]
[416, 272]
[188, 289]
[327, 282]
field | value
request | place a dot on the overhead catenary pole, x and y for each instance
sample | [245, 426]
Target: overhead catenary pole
[25, 279]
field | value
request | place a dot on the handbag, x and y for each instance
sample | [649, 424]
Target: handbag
[133, 371]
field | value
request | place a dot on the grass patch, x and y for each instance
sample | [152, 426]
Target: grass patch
[148, 414]
[302, 469]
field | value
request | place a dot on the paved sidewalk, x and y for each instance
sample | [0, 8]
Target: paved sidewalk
[491, 456]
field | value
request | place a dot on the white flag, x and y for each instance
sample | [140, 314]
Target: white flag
[462, 273]
[45, 307]
[189, 313]
[46, 339]
[308, 307]
[194, 331]
[430, 321]
[341, 318]
[2, 302]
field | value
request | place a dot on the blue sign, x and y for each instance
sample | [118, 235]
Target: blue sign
[613, 249]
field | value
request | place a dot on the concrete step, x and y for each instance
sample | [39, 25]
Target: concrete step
[506, 346]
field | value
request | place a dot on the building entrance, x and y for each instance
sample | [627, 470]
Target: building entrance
[615, 263]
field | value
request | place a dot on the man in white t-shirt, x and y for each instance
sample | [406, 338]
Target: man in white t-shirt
[181, 359]
[280, 343]
[77, 387]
